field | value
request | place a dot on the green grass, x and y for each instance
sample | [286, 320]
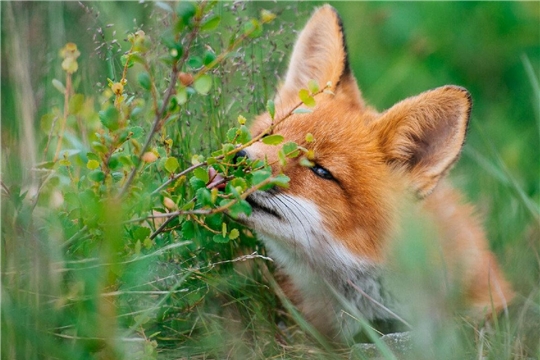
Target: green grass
[81, 278]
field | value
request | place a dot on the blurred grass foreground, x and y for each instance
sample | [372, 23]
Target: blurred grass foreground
[105, 105]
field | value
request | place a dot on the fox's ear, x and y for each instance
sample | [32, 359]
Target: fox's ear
[319, 54]
[424, 134]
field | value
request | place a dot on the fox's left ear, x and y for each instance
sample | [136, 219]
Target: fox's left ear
[424, 134]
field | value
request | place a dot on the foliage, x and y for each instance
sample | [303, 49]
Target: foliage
[114, 238]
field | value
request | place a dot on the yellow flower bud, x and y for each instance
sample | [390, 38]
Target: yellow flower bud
[117, 88]
[70, 65]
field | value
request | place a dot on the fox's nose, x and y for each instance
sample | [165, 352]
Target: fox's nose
[239, 155]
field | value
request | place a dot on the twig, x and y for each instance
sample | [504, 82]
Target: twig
[159, 115]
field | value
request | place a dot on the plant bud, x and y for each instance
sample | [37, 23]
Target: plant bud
[169, 204]
[117, 88]
[149, 157]
[185, 78]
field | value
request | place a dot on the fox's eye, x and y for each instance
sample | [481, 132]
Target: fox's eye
[322, 172]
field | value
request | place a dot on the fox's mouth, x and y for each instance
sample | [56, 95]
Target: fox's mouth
[216, 180]
[256, 206]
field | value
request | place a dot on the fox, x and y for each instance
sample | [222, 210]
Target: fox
[332, 229]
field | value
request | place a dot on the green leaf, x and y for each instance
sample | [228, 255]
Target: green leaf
[214, 221]
[204, 197]
[306, 98]
[201, 174]
[227, 148]
[196, 183]
[239, 183]
[219, 238]
[271, 108]
[127, 59]
[45, 165]
[224, 229]
[99, 147]
[59, 86]
[259, 176]
[185, 11]
[96, 175]
[309, 137]
[275, 139]
[305, 162]
[209, 57]
[234, 234]
[203, 84]
[140, 232]
[181, 95]
[114, 163]
[211, 23]
[253, 28]
[76, 103]
[117, 175]
[109, 118]
[136, 131]
[282, 157]
[144, 80]
[302, 111]
[231, 134]
[188, 230]
[47, 122]
[244, 134]
[241, 207]
[92, 164]
[147, 243]
[195, 62]
[290, 147]
[92, 156]
[281, 180]
[171, 164]
[125, 160]
[313, 86]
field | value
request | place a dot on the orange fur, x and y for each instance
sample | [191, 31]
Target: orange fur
[377, 161]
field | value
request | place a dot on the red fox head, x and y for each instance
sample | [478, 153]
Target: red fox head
[364, 160]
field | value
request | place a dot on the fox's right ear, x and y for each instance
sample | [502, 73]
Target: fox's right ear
[319, 54]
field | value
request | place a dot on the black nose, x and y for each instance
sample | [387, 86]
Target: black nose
[239, 155]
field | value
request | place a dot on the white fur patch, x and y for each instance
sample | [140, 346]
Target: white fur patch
[313, 258]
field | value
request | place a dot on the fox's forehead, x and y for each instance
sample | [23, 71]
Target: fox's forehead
[332, 123]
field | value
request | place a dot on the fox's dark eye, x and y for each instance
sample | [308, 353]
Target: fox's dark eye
[322, 172]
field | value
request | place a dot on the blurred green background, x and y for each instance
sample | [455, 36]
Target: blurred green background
[396, 50]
